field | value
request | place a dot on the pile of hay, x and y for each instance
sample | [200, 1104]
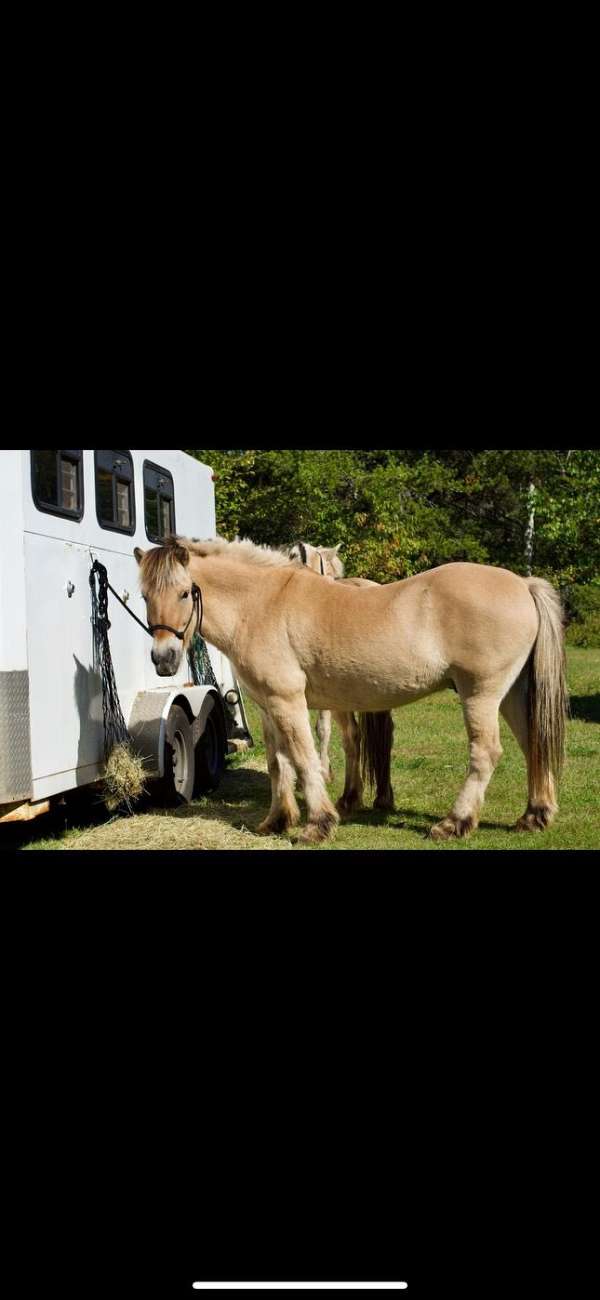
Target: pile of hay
[123, 782]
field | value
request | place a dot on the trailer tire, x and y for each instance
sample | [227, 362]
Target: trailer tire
[177, 784]
[210, 754]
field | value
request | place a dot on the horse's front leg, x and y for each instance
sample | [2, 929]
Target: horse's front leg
[324, 735]
[292, 720]
[284, 811]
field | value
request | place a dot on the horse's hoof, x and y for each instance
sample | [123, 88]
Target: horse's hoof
[346, 806]
[276, 825]
[443, 830]
[450, 826]
[384, 804]
[316, 832]
[535, 819]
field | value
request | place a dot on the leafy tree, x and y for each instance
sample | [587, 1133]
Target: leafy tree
[401, 511]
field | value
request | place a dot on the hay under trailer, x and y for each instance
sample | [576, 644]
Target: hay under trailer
[61, 511]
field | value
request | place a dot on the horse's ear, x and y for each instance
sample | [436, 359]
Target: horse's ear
[182, 555]
[139, 554]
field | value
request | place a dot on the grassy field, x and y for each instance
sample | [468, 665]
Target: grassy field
[429, 764]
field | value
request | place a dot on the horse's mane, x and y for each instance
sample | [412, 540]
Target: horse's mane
[159, 566]
[240, 549]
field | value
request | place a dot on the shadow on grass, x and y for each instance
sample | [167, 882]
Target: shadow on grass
[80, 811]
[585, 707]
[410, 819]
[242, 799]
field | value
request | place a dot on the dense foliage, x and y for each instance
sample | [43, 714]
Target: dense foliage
[398, 512]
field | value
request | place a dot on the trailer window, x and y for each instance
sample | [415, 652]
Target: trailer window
[159, 502]
[115, 497]
[57, 482]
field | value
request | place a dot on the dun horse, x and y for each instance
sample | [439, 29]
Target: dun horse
[368, 742]
[299, 641]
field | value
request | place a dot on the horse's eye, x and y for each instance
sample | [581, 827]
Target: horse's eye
[184, 595]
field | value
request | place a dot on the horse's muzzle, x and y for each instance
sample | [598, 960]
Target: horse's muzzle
[166, 661]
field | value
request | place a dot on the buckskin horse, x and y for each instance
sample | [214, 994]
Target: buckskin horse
[299, 641]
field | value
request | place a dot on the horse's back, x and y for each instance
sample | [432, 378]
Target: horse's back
[472, 617]
[462, 586]
[485, 615]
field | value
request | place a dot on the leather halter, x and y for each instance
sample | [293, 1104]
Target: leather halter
[197, 608]
[304, 557]
[151, 628]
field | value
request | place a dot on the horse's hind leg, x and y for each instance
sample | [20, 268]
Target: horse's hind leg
[292, 720]
[481, 721]
[324, 734]
[382, 736]
[541, 806]
[351, 798]
[284, 811]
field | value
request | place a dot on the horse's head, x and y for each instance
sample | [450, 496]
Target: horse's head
[171, 603]
[323, 559]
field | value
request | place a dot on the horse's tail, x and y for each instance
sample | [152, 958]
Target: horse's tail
[548, 696]
[376, 731]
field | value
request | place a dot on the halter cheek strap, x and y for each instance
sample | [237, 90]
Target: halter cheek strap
[304, 557]
[197, 609]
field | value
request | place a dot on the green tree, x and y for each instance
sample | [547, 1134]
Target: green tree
[400, 511]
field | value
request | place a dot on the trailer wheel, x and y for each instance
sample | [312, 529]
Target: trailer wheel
[177, 784]
[210, 754]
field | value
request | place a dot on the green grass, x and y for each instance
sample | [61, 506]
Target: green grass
[428, 766]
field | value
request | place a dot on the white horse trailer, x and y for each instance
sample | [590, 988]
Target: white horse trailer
[61, 510]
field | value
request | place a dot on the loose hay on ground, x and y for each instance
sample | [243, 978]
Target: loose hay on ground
[183, 828]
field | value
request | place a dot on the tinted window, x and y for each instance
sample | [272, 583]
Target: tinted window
[115, 497]
[57, 482]
[159, 502]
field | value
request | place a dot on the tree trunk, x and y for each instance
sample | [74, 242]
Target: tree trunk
[529, 531]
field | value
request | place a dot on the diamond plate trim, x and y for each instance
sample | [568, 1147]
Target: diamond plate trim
[16, 780]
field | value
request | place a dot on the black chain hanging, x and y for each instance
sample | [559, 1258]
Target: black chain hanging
[115, 728]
